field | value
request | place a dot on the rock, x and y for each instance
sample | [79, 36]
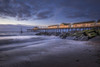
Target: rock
[84, 38]
[90, 33]
[81, 36]
[57, 34]
[63, 35]
[98, 32]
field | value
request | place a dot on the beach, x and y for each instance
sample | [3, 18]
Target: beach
[48, 51]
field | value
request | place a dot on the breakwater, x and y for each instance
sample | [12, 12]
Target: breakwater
[74, 35]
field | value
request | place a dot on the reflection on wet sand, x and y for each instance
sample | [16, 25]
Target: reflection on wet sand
[51, 52]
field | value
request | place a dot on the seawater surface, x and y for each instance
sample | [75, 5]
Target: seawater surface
[23, 50]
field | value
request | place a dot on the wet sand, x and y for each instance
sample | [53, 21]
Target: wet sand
[54, 52]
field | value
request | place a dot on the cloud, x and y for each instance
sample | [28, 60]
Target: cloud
[81, 9]
[24, 9]
[44, 9]
[44, 15]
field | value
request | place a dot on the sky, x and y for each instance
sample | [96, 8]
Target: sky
[12, 27]
[48, 12]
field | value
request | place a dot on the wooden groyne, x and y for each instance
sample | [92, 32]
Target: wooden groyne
[67, 27]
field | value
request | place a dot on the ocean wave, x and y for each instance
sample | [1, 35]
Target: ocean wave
[19, 39]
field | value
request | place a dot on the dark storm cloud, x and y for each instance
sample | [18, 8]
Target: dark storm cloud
[44, 15]
[25, 9]
[43, 9]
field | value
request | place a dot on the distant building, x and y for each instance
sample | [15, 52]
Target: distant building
[65, 25]
[32, 30]
[84, 24]
[53, 26]
[35, 28]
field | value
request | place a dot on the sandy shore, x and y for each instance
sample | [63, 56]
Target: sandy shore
[54, 52]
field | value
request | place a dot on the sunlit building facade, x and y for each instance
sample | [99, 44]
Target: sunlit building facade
[53, 26]
[84, 24]
[35, 28]
[65, 25]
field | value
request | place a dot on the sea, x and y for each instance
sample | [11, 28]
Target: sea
[18, 37]
[29, 50]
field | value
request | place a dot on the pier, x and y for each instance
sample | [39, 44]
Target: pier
[67, 27]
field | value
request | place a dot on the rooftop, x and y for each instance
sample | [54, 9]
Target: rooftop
[52, 25]
[66, 23]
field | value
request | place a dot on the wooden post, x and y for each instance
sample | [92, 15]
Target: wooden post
[56, 30]
[68, 29]
[72, 29]
[65, 30]
[60, 30]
